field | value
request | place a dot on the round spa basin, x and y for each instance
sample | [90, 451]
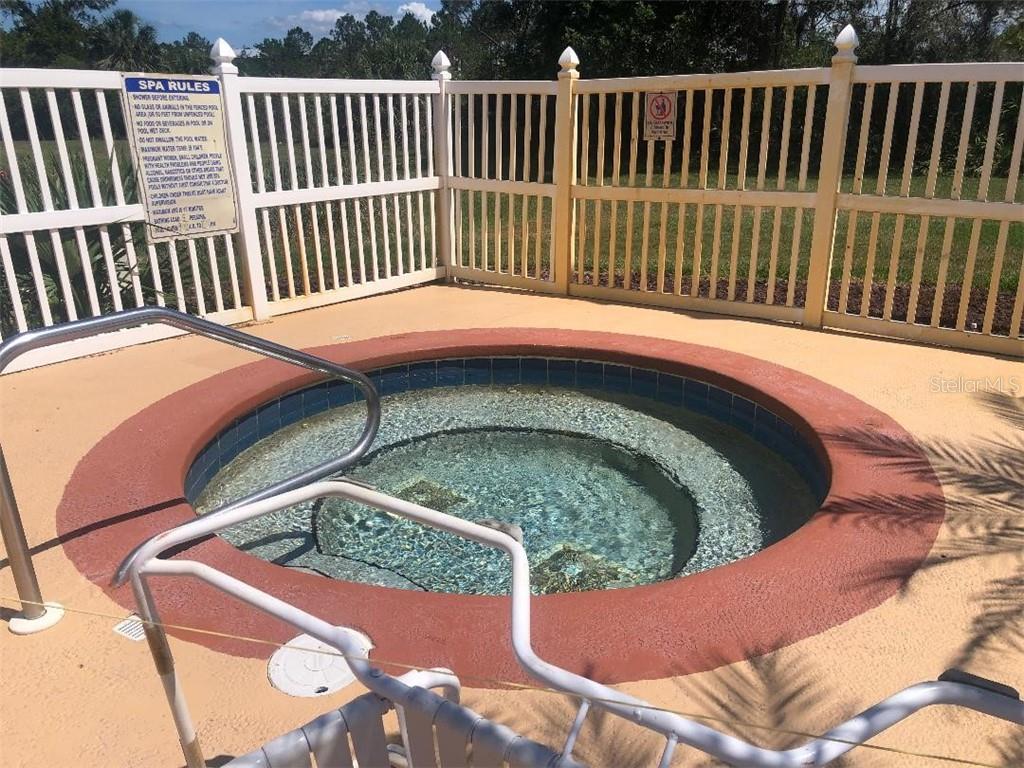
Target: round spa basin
[753, 446]
[612, 485]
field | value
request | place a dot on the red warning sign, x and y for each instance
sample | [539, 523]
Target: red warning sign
[660, 116]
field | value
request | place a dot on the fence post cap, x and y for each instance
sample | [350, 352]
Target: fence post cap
[568, 62]
[221, 52]
[441, 64]
[845, 42]
[222, 55]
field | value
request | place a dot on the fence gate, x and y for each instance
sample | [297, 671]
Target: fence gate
[502, 195]
[669, 222]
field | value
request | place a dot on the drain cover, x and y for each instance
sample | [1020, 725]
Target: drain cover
[131, 627]
[307, 667]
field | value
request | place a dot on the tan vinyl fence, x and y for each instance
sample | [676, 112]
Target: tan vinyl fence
[859, 198]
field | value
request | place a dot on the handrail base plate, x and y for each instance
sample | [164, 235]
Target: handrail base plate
[52, 613]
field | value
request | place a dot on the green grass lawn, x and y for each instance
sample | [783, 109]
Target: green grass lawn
[663, 222]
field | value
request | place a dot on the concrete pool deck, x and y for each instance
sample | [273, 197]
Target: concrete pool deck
[80, 695]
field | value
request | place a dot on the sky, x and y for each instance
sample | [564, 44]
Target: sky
[243, 22]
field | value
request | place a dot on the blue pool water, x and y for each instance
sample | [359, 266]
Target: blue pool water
[593, 515]
[610, 489]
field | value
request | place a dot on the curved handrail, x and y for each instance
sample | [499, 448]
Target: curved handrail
[79, 329]
[674, 727]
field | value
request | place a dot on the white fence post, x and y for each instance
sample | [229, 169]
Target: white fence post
[248, 236]
[442, 160]
[830, 174]
[564, 170]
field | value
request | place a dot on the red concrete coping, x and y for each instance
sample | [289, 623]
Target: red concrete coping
[877, 524]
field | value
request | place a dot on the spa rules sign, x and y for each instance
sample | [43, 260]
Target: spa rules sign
[177, 136]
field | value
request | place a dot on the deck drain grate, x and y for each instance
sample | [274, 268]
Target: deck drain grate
[131, 627]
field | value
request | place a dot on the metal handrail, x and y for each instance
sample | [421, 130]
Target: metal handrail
[676, 728]
[11, 527]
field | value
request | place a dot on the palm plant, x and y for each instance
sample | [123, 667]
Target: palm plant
[66, 240]
[124, 43]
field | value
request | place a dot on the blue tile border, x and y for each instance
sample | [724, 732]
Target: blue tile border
[478, 371]
[697, 396]
[670, 389]
[562, 373]
[534, 371]
[644, 383]
[451, 373]
[589, 375]
[506, 370]
[423, 375]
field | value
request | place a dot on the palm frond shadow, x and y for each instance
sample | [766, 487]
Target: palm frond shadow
[761, 701]
[984, 480]
[1011, 749]
[989, 465]
[765, 691]
[552, 716]
[1009, 409]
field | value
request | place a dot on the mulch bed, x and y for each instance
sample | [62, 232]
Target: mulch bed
[901, 298]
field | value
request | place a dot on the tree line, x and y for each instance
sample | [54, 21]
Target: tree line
[517, 39]
[522, 39]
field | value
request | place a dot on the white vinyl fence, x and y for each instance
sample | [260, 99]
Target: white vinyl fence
[343, 187]
[861, 198]
[337, 195]
[71, 237]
